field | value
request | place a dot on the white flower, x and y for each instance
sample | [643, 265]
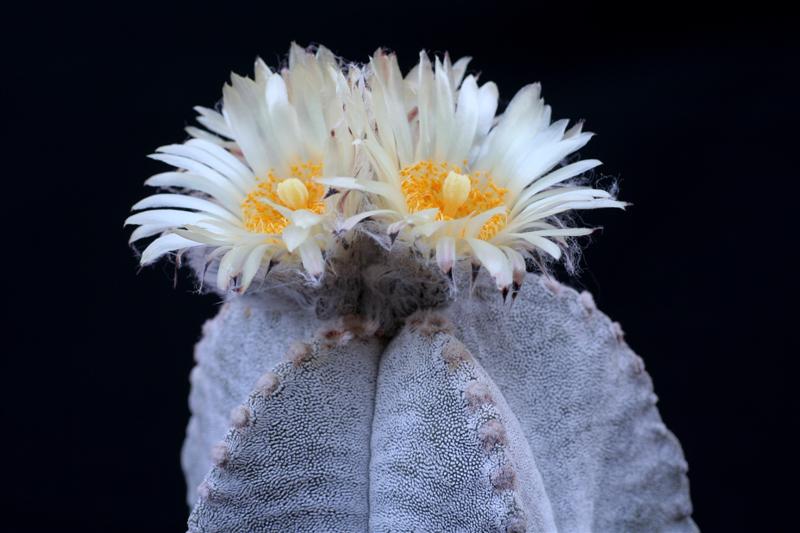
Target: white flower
[454, 179]
[247, 188]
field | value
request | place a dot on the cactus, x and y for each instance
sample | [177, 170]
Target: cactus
[462, 414]
[387, 359]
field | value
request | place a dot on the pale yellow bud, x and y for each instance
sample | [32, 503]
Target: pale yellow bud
[455, 191]
[293, 193]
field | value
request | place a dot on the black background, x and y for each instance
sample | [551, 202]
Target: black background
[696, 116]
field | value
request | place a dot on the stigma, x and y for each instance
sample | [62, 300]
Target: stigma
[295, 190]
[293, 193]
[455, 191]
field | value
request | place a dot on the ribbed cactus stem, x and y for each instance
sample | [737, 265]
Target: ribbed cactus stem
[475, 415]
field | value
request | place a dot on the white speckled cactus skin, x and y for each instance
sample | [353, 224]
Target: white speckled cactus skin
[472, 417]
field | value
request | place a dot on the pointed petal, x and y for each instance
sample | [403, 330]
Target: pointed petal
[311, 256]
[164, 244]
[252, 264]
[446, 253]
[231, 265]
[186, 202]
[494, 260]
[542, 243]
[350, 222]
[294, 236]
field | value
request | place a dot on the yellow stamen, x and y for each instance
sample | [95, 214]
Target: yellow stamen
[293, 193]
[429, 184]
[296, 191]
[455, 192]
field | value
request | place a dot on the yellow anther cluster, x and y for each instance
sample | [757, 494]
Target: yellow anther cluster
[298, 190]
[429, 184]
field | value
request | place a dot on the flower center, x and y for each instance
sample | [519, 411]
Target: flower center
[296, 191]
[429, 184]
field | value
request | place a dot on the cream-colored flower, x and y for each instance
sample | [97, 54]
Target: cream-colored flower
[454, 179]
[247, 188]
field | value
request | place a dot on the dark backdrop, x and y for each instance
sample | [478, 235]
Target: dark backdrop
[695, 114]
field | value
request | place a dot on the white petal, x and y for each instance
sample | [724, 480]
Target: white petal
[348, 183]
[231, 265]
[517, 125]
[424, 216]
[584, 204]
[166, 217]
[199, 133]
[311, 256]
[227, 163]
[198, 234]
[370, 186]
[458, 69]
[243, 111]
[542, 243]
[528, 144]
[557, 176]
[216, 158]
[487, 105]
[252, 264]
[283, 122]
[195, 167]
[494, 260]
[466, 120]
[542, 160]
[446, 253]
[261, 72]
[388, 107]
[283, 210]
[294, 236]
[164, 244]
[213, 121]
[227, 196]
[305, 218]
[425, 104]
[276, 92]
[223, 227]
[384, 190]
[443, 115]
[518, 267]
[559, 195]
[350, 222]
[142, 232]
[428, 228]
[186, 202]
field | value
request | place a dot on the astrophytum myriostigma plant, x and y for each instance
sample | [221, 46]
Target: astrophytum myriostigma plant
[392, 354]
